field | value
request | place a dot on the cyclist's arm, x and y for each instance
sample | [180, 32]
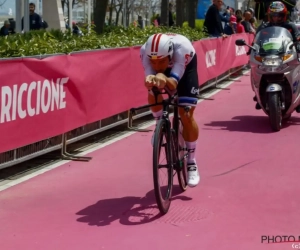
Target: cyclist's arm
[182, 57]
[170, 82]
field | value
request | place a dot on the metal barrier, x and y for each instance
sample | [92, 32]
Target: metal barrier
[34, 150]
[31, 151]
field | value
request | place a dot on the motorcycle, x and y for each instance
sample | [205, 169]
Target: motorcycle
[275, 73]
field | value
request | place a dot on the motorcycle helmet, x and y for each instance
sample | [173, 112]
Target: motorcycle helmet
[277, 12]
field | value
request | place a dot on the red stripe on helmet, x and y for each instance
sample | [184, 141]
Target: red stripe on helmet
[153, 43]
[157, 42]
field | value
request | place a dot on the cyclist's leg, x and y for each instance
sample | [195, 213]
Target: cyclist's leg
[188, 89]
[156, 110]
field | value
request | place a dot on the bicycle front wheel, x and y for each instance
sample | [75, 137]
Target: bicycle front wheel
[162, 166]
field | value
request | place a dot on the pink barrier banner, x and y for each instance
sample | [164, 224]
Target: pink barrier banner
[251, 38]
[109, 81]
[44, 98]
[233, 56]
[209, 58]
[38, 100]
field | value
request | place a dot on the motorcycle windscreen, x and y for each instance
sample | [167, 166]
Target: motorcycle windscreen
[273, 40]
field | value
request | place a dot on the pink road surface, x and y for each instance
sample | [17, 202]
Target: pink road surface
[250, 185]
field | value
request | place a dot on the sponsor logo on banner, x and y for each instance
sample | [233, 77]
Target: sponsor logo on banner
[240, 50]
[210, 58]
[31, 99]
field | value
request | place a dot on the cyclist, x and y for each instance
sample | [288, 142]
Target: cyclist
[277, 16]
[170, 63]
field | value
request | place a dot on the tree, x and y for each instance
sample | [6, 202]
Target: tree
[100, 8]
[111, 9]
[118, 9]
[133, 8]
[191, 12]
[164, 19]
[129, 5]
[180, 12]
[147, 8]
[74, 2]
[155, 5]
[2, 2]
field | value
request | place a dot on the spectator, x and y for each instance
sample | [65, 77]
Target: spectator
[140, 22]
[239, 27]
[5, 30]
[35, 21]
[252, 25]
[226, 15]
[157, 19]
[246, 23]
[230, 28]
[233, 23]
[76, 30]
[228, 11]
[12, 25]
[44, 24]
[238, 13]
[213, 23]
[252, 14]
[294, 15]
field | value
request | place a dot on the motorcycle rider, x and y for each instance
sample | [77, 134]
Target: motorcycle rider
[261, 8]
[277, 16]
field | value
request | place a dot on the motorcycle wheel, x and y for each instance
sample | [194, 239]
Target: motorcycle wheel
[275, 114]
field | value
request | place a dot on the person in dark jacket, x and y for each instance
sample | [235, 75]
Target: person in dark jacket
[35, 20]
[246, 22]
[213, 23]
[5, 30]
[76, 30]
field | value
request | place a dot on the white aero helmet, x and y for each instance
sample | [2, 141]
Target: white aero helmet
[159, 46]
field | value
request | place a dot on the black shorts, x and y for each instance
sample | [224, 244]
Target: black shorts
[188, 86]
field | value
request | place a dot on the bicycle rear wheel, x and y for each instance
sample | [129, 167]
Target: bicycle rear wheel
[181, 155]
[162, 149]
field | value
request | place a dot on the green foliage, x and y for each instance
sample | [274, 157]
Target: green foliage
[56, 41]
[198, 24]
